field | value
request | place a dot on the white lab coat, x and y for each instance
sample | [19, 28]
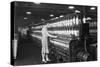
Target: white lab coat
[44, 40]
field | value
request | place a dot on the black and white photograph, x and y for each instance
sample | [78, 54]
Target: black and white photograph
[50, 33]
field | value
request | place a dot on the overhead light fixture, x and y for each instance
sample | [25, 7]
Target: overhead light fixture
[77, 11]
[92, 8]
[42, 19]
[71, 7]
[25, 18]
[61, 15]
[51, 15]
[88, 18]
[28, 12]
[56, 17]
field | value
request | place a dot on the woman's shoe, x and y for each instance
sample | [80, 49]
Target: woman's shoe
[43, 61]
[48, 60]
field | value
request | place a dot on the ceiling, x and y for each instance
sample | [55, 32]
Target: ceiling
[44, 10]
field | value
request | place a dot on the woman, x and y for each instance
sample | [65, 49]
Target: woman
[45, 50]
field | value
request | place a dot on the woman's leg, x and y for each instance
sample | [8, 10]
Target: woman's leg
[47, 58]
[43, 56]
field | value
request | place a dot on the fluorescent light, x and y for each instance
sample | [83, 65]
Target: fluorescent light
[71, 7]
[56, 17]
[77, 11]
[42, 19]
[61, 15]
[25, 18]
[92, 8]
[88, 18]
[51, 15]
[28, 13]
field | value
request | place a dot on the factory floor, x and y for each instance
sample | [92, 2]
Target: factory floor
[28, 52]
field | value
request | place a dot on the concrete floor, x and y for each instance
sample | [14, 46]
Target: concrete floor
[28, 52]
